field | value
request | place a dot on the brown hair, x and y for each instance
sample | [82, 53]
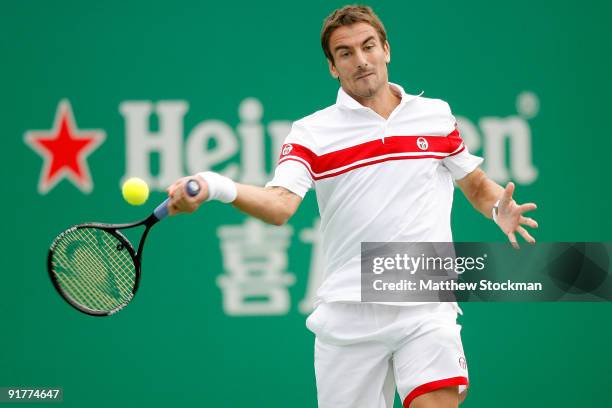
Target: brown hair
[346, 16]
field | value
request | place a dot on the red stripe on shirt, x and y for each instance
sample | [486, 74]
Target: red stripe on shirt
[356, 166]
[346, 159]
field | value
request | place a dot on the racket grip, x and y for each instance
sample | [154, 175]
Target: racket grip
[192, 188]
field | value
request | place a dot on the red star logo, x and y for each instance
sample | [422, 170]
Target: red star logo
[64, 150]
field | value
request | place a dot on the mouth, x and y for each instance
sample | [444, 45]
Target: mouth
[362, 76]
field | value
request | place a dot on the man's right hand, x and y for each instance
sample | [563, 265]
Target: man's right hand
[180, 201]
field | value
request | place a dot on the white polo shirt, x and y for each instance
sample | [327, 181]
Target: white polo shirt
[376, 180]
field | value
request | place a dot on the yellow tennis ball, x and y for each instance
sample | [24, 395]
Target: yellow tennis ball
[135, 191]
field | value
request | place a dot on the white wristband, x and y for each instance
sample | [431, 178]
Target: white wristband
[495, 210]
[220, 188]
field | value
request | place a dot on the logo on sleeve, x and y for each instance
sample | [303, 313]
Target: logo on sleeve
[287, 149]
[422, 143]
[462, 363]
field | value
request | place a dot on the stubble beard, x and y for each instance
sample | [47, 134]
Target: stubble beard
[370, 91]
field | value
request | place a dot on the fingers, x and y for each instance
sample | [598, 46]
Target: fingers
[530, 222]
[175, 198]
[177, 194]
[177, 186]
[508, 191]
[513, 240]
[526, 236]
[180, 201]
[175, 208]
[172, 209]
[526, 207]
[172, 189]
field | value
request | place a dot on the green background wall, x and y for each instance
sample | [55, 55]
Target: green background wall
[175, 344]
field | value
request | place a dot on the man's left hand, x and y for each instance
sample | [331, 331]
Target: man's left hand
[510, 217]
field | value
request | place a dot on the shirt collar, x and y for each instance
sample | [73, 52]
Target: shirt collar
[347, 101]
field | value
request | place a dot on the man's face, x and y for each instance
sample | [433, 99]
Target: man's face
[360, 59]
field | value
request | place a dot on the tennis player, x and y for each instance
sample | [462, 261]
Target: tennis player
[382, 163]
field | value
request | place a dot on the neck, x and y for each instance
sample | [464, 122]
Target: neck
[383, 102]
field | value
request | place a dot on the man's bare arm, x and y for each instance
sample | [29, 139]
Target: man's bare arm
[481, 191]
[274, 205]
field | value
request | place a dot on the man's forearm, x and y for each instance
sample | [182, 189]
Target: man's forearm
[487, 196]
[273, 205]
[481, 192]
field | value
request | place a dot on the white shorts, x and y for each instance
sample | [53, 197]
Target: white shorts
[364, 351]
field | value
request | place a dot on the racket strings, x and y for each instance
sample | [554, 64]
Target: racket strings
[91, 290]
[92, 273]
[94, 269]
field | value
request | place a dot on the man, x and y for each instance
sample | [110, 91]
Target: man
[382, 163]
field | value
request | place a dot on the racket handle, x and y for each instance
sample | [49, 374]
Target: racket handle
[192, 188]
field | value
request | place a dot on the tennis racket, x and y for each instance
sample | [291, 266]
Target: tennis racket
[95, 268]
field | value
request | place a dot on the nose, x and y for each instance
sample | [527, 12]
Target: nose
[362, 62]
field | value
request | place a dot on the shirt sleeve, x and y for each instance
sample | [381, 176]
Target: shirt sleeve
[293, 176]
[460, 162]
[294, 168]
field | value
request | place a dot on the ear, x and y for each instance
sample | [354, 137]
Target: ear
[332, 69]
[387, 49]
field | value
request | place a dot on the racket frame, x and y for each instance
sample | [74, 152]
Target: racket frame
[114, 230]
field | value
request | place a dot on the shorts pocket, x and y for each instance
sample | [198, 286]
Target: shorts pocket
[316, 321]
